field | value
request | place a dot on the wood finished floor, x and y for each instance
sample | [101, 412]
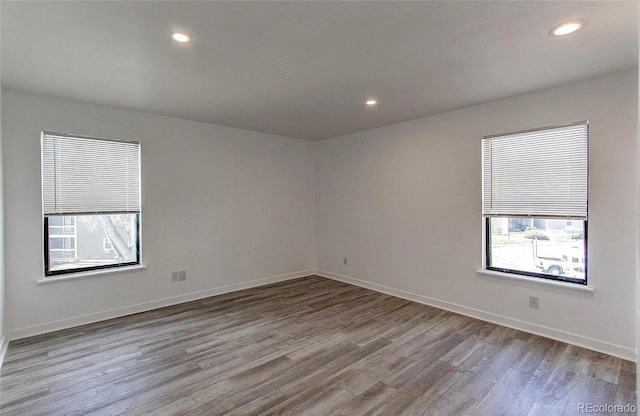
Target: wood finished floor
[311, 346]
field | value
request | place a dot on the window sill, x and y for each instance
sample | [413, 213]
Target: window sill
[82, 275]
[536, 280]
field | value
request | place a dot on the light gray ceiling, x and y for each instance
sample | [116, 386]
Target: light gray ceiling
[304, 69]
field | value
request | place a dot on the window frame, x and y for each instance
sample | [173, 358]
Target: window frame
[487, 218]
[487, 253]
[70, 272]
[48, 272]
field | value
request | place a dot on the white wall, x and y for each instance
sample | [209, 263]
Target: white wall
[228, 206]
[403, 203]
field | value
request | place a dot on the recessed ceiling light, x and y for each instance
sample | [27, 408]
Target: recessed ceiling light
[567, 28]
[371, 102]
[181, 37]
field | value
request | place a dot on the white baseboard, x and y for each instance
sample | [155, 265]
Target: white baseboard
[147, 306]
[4, 343]
[581, 341]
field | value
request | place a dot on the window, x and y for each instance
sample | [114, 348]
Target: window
[106, 245]
[534, 201]
[91, 203]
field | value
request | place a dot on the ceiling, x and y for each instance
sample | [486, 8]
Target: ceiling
[304, 69]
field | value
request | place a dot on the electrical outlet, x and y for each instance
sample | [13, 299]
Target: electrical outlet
[344, 261]
[182, 276]
[533, 302]
[175, 276]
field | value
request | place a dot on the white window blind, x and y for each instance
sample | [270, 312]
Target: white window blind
[83, 175]
[537, 173]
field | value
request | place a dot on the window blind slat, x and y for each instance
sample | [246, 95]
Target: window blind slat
[537, 173]
[83, 175]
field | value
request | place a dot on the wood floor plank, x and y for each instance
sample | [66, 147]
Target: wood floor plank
[410, 392]
[624, 400]
[541, 375]
[499, 398]
[555, 396]
[521, 406]
[366, 401]
[452, 403]
[589, 390]
[306, 346]
[490, 372]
